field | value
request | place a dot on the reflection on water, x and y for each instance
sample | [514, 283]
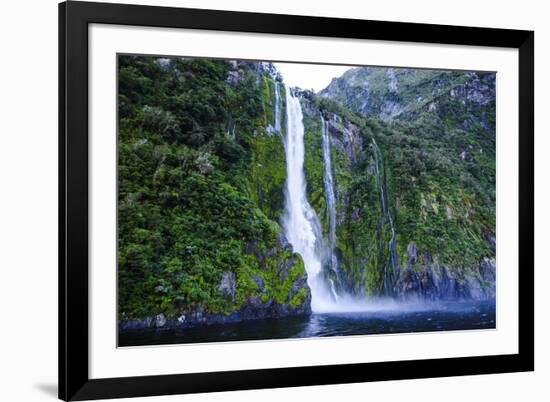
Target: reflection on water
[419, 318]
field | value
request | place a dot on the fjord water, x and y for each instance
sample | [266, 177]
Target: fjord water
[382, 319]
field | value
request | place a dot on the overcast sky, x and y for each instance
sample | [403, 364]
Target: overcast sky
[309, 76]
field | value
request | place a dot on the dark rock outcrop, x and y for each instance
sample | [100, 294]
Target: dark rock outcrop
[439, 282]
[254, 308]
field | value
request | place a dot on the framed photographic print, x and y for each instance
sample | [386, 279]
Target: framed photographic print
[257, 200]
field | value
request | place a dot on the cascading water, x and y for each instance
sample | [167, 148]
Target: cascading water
[392, 254]
[301, 224]
[331, 201]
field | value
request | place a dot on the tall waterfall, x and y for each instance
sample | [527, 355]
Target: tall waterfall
[300, 222]
[329, 195]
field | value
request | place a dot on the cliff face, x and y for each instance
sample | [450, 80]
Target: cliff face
[408, 210]
[201, 176]
[414, 168]
[387, 93]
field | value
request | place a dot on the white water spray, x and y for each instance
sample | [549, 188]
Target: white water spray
[300, 221]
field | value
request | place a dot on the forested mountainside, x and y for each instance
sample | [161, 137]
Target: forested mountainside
[406, 205]
[201, 178]
[414, 164]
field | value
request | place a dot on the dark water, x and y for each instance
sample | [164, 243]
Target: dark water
[426, 318]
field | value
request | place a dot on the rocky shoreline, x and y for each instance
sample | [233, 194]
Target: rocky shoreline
[253, 309]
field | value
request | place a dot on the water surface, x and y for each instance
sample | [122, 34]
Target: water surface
[427, 318]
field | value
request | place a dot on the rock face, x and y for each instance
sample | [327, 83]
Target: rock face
[160, 321]
[228, 286]
[412, 157]
[439, 282]
[391, 92]
[414, 172]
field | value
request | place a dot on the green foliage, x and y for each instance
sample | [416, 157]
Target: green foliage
[313, 168]
[201, 179]
[268, 174]
[438, 173]
[192, 194]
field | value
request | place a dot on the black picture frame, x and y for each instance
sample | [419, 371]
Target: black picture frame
[74, 381]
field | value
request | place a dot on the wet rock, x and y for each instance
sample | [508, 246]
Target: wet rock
[285, 266]
[298, 284]
[228, 285]
[427, 257]
[260, 282]
[487, 269]
[271, 252]
[492, 242]
[283, 242]
[412, 253]
[160, 321]
[234, 77]
[472, 289]
[408, 284]
[439, 282]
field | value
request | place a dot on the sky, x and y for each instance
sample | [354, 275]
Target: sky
[309, 76]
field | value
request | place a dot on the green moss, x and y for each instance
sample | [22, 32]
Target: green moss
[313, 168]
[424, 175]
[268, 100]
[200, 181]
[268, 174]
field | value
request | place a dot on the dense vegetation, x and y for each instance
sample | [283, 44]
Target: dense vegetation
[201, 174]
[194, 200]
[437, 168]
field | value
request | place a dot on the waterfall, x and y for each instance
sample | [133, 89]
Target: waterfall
[329, 195]
[277, 108]
[392, 254]
[300, 222]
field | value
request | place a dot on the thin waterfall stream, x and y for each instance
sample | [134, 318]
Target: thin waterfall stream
[328, 182]
[392, 257]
